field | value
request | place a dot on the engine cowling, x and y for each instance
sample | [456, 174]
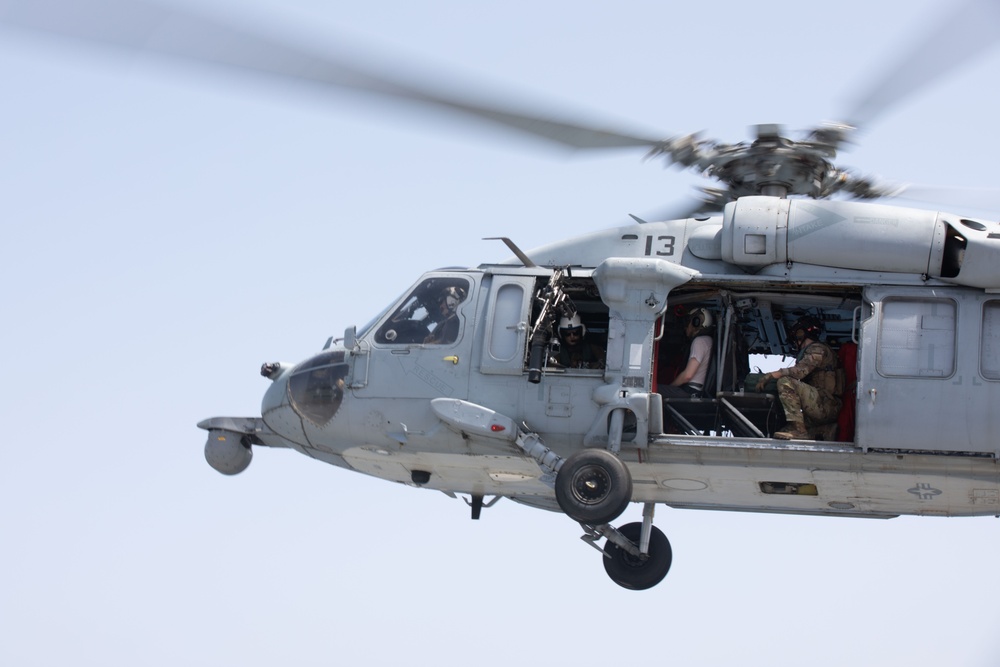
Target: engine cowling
[759, 231]
[228, 452]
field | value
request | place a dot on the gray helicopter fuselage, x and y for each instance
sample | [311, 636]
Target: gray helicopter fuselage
[912, 294]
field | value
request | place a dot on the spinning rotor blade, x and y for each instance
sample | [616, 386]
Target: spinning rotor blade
[692, 207]
[971, 29]
[146, 28]
[980, 199]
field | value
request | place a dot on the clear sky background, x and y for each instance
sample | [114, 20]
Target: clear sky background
[164, 233]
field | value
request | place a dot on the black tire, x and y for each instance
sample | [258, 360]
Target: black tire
[638, 574]
[593, 487]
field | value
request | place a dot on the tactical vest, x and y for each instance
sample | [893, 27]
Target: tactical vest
[825, 377]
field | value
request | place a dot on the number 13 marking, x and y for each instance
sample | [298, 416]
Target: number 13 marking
[664, 245]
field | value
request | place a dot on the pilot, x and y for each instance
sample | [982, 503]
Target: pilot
[690, 382]
[574, 350]
[446, 318]
[808, 390]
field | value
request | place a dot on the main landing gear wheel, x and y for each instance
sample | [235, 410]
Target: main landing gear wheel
[638, 573]
[593, 487]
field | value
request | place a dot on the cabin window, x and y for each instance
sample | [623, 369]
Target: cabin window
[990, 346]
[917, 338]
[578, 339]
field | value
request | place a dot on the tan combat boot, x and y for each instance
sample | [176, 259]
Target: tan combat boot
[793, 431]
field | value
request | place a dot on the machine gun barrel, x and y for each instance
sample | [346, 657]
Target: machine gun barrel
[554, 301]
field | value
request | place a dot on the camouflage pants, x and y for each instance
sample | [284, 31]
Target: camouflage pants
[803, 402]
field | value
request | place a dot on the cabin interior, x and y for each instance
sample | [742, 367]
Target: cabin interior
[749, 334]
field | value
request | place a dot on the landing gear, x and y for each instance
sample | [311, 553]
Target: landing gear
[637, 556]
[593, 487]
[638, 572]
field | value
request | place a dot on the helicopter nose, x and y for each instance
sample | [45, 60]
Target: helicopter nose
[276, 395]
[276, 409]
[311, 392]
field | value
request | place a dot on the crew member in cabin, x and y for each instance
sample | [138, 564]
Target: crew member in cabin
[444, 329]
[574, 349]
[808, 390]
[690, 382]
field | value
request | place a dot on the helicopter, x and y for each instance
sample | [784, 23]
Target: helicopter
[456, 387]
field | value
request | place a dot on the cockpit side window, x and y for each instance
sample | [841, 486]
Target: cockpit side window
[428, 316]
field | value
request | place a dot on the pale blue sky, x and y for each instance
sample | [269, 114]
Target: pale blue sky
[164, 234]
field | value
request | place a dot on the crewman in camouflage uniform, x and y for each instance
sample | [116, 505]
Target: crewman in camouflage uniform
[807, 390]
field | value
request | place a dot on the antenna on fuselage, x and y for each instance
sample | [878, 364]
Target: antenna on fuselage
[513, 248]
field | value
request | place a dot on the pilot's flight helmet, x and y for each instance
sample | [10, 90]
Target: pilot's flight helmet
[451, 296]
[568, 324]
[700, 318]
[808, 324]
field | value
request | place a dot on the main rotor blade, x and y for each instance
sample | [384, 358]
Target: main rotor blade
[146, 28]
[971, 29]
[978, 199]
